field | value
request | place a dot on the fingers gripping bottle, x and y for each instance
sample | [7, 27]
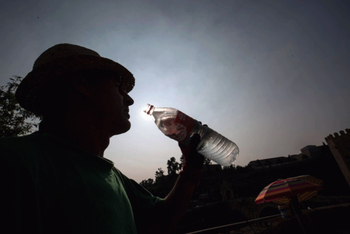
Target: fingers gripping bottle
[181, 127]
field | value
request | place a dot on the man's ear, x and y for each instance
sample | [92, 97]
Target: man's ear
[81, 85]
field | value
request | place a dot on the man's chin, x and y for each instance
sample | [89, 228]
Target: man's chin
[122, 129]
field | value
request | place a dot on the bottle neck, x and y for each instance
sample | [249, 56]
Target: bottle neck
[149, 109]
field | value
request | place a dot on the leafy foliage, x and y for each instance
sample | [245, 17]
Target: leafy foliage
[14, 120]
[146, 183]
[173, 166]
[159, 174]
[207, 161]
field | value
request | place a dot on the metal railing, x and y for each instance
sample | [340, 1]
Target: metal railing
[232, 225]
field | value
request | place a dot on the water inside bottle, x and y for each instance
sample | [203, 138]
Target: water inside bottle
[218, 148]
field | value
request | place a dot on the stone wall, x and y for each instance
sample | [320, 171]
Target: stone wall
[340, 148]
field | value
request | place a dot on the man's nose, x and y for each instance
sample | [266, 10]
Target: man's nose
[128, 100]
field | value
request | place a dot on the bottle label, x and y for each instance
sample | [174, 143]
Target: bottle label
[184, 125]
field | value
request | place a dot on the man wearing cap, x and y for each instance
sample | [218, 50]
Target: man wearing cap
[56, 180]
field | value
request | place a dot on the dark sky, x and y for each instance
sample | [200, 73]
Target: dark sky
[273, 76]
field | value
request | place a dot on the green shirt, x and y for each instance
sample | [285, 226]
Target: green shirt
[50, 186]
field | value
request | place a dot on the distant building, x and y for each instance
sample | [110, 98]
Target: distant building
[297, 157]
[267, 162]
[226, 191]
[340, 148]
[309, 151]
[312, 151]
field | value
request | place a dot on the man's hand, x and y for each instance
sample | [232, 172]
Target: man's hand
[192, 159]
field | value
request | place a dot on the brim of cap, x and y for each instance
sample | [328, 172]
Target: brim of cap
[54, 71]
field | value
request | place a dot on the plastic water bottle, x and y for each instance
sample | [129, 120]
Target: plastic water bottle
[181, 127]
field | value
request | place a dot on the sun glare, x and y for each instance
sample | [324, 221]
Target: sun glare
[144, 115]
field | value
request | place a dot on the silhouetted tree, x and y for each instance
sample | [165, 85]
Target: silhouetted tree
[173, 166]
[159, 174]
[229, 168]
[146, 183]
[182, 161]
[14, 120]
[239, 169]
[207, 161]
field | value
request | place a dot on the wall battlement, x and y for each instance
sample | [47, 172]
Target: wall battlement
[340, 148]
[342, 134]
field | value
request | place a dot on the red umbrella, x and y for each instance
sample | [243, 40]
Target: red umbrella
[289, 187]
[303, 196]
[294, 187]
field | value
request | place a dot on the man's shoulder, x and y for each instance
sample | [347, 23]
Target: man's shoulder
[16, 142]
[37, 153]
[25, 147]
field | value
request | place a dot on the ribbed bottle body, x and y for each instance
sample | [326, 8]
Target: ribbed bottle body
[217, 147]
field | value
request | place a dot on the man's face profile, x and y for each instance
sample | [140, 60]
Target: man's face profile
[110, 104]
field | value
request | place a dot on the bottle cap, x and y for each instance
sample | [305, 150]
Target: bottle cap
[148, 109]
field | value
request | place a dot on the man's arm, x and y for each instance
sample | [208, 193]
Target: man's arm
[177, 201]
